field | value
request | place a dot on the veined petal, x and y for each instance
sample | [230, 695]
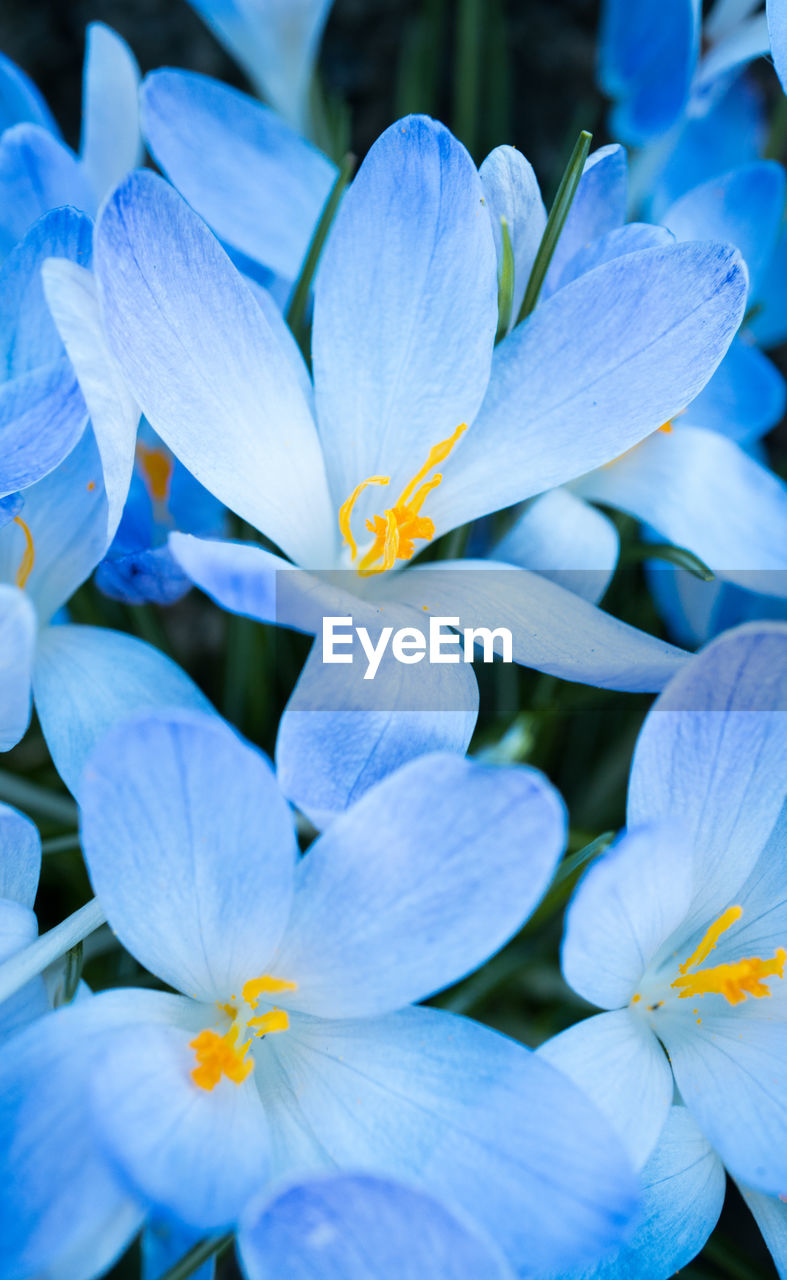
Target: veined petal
[595, 369]
[359, 1227]
[256, 182]
[683, 1191]
[511, 191]
[713, 753]
[18, 627]
[565, 539]
[770, 1214]
[42, 416]
[629, 902]
[614, 244]
[337, 736]
[599, 206]
[198, 1154]
[175, 802]
[114, 416]
[20, 99]
[381, 915]
[552, 629]
[88, 678]
[617, 1061]
[37, 173]
[20, 856]
[405, 307]
[206, 368]
[702, 491]
[746, 396]
[647, 60]
[111, 144]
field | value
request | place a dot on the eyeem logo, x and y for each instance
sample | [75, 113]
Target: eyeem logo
[410, 645]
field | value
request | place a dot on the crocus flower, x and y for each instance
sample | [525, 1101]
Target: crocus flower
[276, 42]
[679, 932]
[292, 1048]
[38, 172]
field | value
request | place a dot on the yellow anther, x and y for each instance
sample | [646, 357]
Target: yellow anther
[267, 1023]
[667, 428]
[28, 555]
[734, 981]
[156, 465]
[266, 985]
[220, 1055]
[396, 532]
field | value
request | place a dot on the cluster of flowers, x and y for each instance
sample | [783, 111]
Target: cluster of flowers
[248, 335]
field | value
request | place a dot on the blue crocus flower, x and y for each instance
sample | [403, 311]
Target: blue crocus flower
[358, 1227]
[293, 1047]
[276, 42]
[38, 172]
[679, 934]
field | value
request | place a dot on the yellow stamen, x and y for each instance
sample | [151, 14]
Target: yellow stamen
[734, 981]
[396, 531]
[666, 427]
[274, 1020]
[156, 465]
[28, 555]
[220, 1055]
[266, 985]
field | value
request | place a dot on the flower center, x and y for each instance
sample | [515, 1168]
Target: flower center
[734, 981]
[396, 530]
[225, 1055]
[28, 555]
[156, 465]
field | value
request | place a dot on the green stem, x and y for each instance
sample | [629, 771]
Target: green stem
[555, 223]
[566, 877]
[505, 285]
[467, 72]
[296, 311]
[679, 556]
[61, 844]
[36, 799]
[213, 1247]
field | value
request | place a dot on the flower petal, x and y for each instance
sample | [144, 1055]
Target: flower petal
[647, 60]
[614, 244]
[745, 397]
[405, 308]
[617, 1061]
[20, 856]
[381, 914]
[511, 191]
[595, 369]
[598, 207]
[626, 906]
[190, 847]
[337, 737]
[770, 1214]
[484, 1122]
[712, 752]
[257, 183]
[196, 1153]
[206, 368]
[86, 679]
[20, 100]
[567, 540]
[37, 173]
[17, 645]
[777, 29]
[110, 144]
[359, 1227]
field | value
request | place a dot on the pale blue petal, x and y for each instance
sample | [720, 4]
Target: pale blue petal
[617, 1061]
[270, 309]
[724, 774]
[359, 1227]
[71, 295]
[380, 916]
[552, 629]
[628, 239]
[18, 627]
[746, 396]
[478, 1119]
[42, 415]
[199, 1154]
[595, 369]
[763, 898]
[567, 540]
[88, 678]
[275, 42]
[701, 491]
[405, 308]
[206, 368]
[511, 191]
[20, 100]
[66, 516]
[777, 28]
[110, 144]
[647, 60]
[20, 856]
[338, 736]
[63, 1211]
[627, 904]
[770, 1214]
[768, 324]
[683, 1192]
[164, 1242]
[729, 1068]
[256, 182]
[743, 207]
[727, 57]
[37, 173]
[598, 207]
[18, 928]
[176, 800]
